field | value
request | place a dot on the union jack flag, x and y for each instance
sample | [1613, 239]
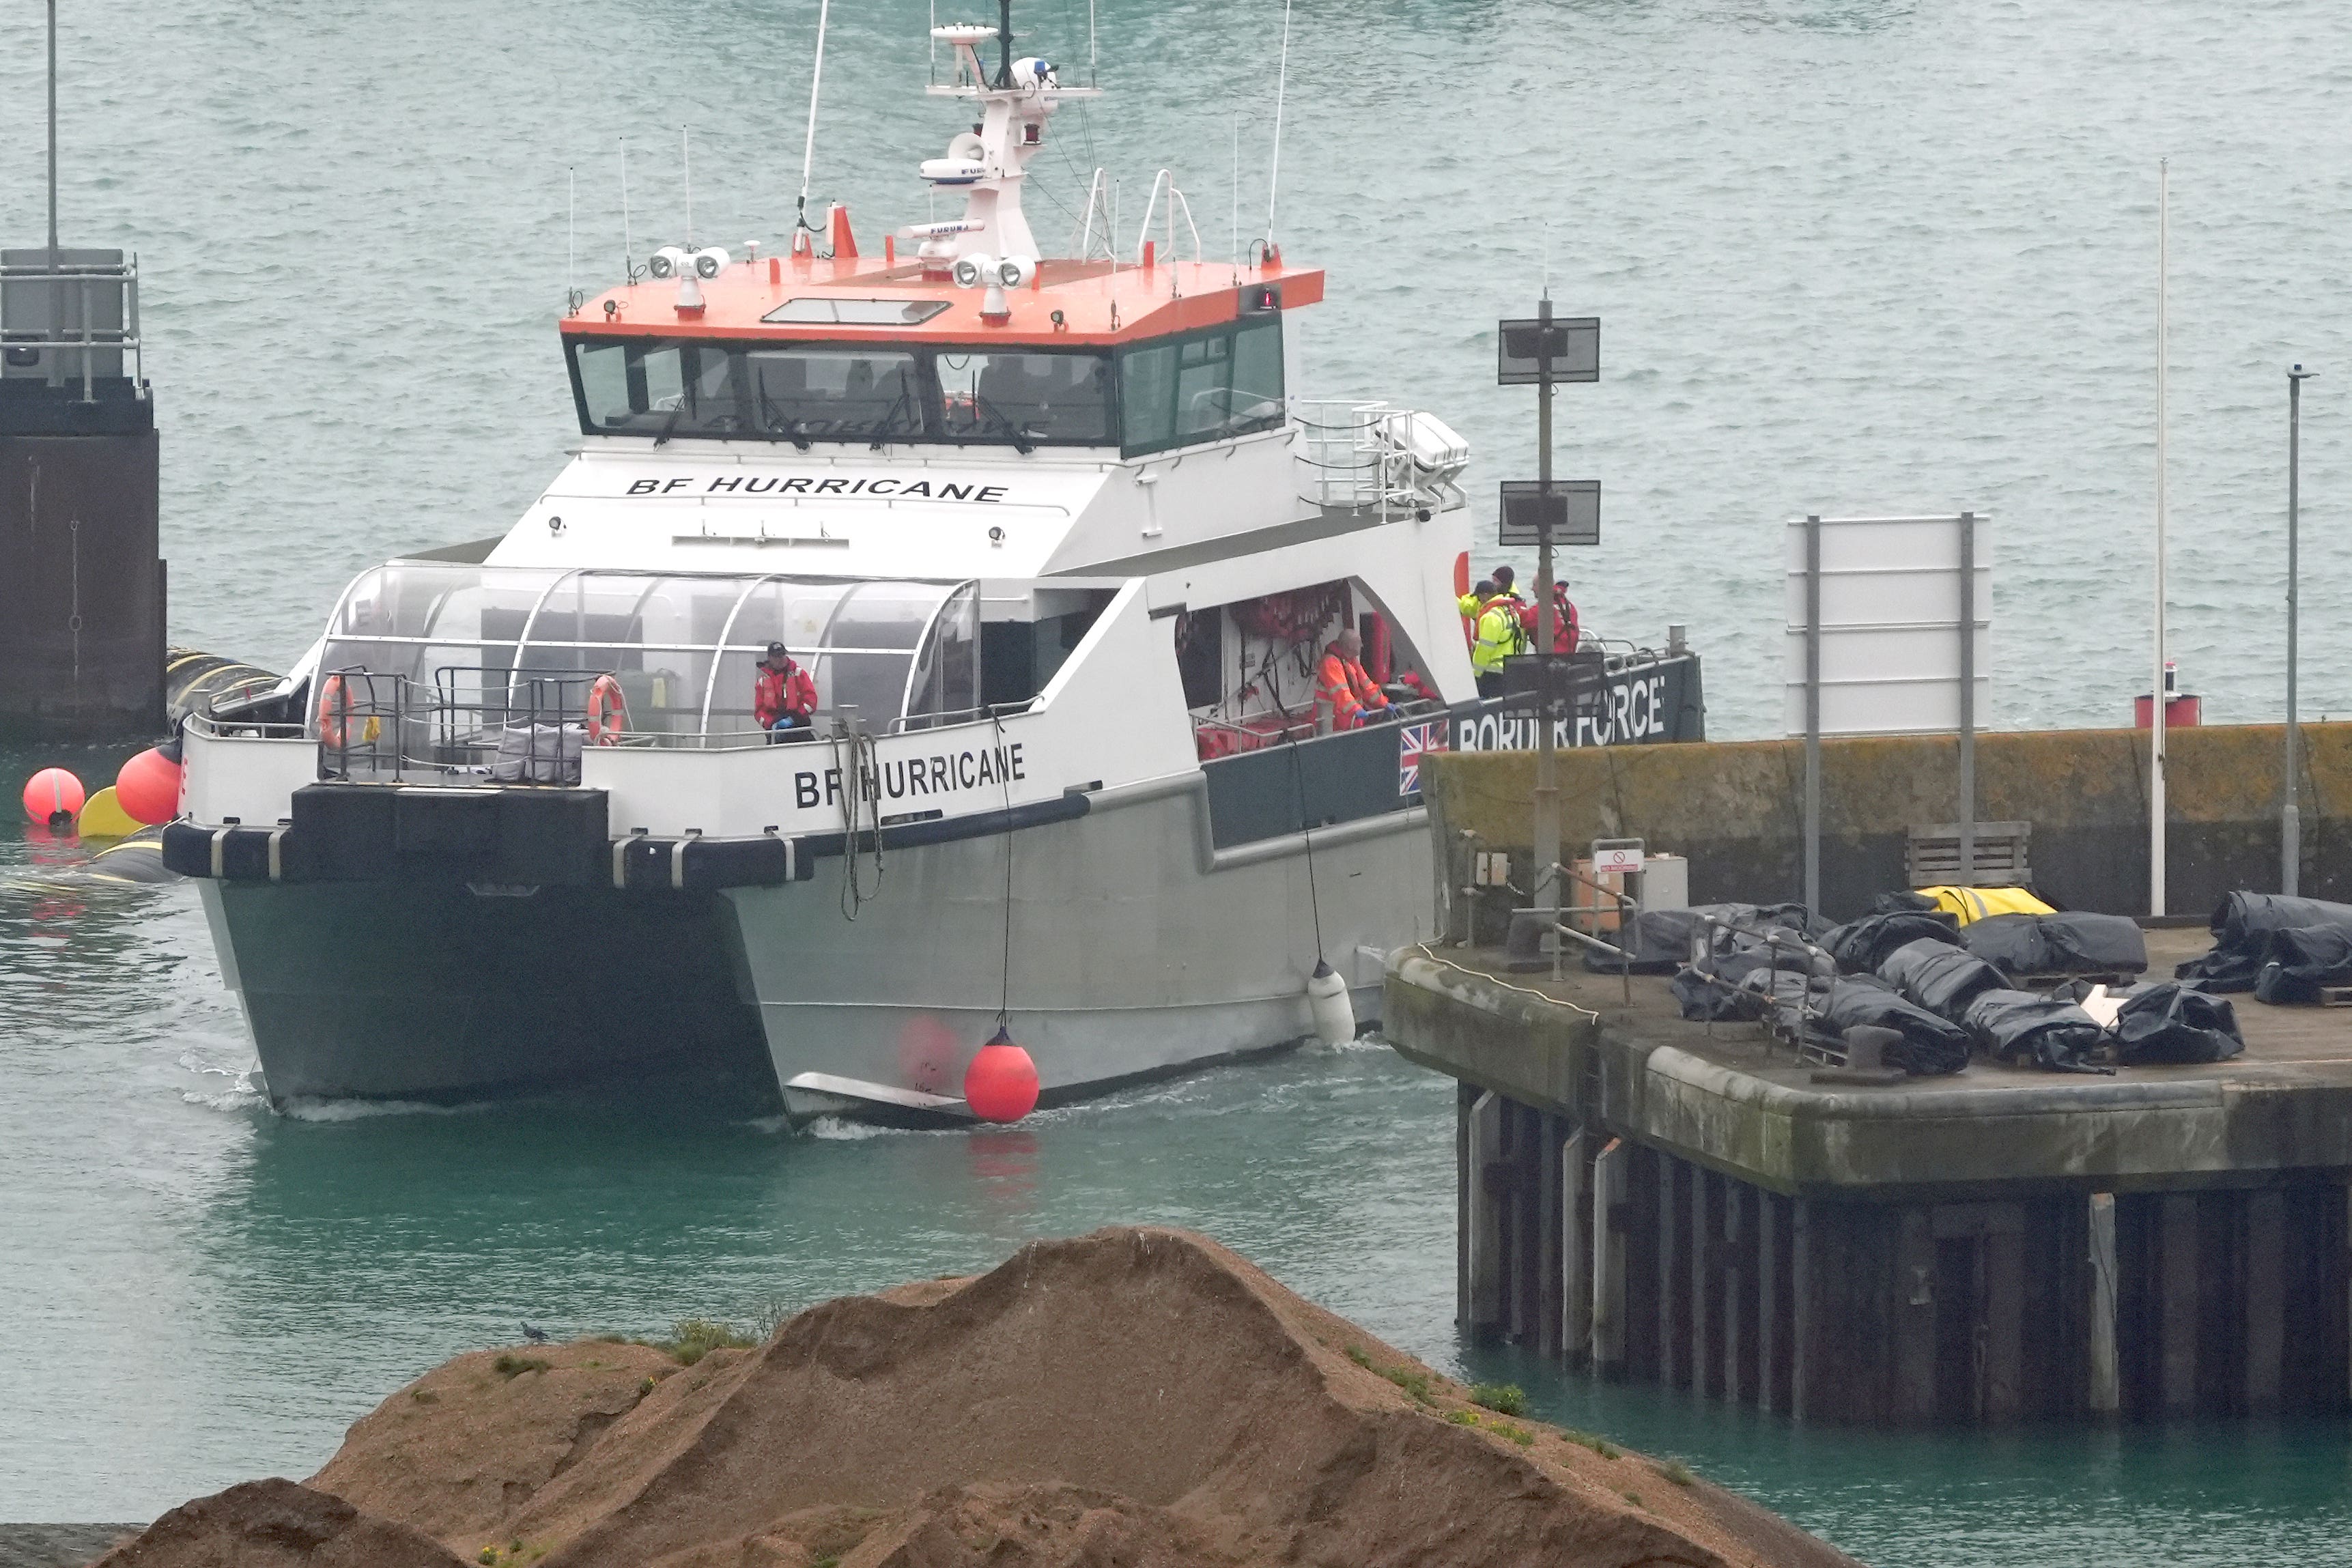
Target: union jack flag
[1415, 741]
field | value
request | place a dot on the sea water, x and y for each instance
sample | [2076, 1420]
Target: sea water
[1851, 257]
[194, 1289]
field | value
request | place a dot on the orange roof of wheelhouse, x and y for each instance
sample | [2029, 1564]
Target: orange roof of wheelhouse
[1145, 301]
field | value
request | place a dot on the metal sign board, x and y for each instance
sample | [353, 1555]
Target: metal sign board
[1616, 857]
[1570, 344]
[1572, 509]
[1890, 621]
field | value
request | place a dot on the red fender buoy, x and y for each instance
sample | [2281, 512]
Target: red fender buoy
[53, 797]
[148, 787]
[1000, 1084]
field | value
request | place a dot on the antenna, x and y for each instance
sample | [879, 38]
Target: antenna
[808, 150]
[1237, 193]
[628, 241]
[1091, 56]
[685, 162]
[1281, 85]
[1005, 44]
[53, 135]
[570, 228]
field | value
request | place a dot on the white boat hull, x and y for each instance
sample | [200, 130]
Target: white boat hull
[1135, 951]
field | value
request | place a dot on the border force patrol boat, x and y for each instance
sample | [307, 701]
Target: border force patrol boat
[1061, 548]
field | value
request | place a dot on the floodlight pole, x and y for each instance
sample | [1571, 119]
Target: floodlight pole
[1547, 833]
[2157, 715]
[2290, 813]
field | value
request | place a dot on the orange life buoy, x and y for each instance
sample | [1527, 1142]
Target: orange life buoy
[608, 711]
[334, 711]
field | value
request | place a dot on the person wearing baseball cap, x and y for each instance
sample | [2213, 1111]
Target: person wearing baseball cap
[784, 697]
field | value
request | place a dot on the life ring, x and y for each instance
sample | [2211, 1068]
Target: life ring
[334, 711]
[608, 712]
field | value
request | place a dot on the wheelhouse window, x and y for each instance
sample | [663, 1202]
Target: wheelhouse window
[1168, 393]
[807, 392]
[1203, 386]
[832, 393]
[1064, 399]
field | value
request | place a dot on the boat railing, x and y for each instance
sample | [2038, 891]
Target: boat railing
[71, 316]
[475, 724]
[1215, 735]
[1375, 457]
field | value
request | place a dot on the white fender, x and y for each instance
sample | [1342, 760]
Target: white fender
[1327, 1001]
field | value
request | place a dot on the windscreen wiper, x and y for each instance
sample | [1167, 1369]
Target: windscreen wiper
[890, 416]
[1019, 433]
[776, 420]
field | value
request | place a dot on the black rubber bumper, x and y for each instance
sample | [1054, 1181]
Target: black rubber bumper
[529, 837]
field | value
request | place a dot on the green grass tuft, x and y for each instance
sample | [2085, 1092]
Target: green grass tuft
[1356, 1353]
[1599, 1445]
[1413, 1383]
[1676, 1471]
[424, 1396]
[1463, 1418]
[1635, 1499]
[1519, 1435]
[1503, 1398]
[511, 1366]
[691, 1339]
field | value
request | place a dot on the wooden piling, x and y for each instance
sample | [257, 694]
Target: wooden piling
[1575, 1254]
[1482, 1216]
[2106, 1384]
[1807, 1372]
[1609, 1256]
[1706, 1280]
[1774, 1304]
[2004, 1307]
[1549, 1251]
[1739, 1292]
[1672, 1277]
[2263, 1290]
[1521, 1287]
[1465, 1096]
[2176, 1302]
[1638, 1221]
[1913, 1315]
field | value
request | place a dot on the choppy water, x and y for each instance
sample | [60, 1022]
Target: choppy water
[1850, 255]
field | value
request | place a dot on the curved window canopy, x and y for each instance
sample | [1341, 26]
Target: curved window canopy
[684, 646]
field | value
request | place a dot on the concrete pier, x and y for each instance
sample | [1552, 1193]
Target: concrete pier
[1680, 1204]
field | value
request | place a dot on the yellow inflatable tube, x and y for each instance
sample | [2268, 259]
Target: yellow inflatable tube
[1967, 903]
[102, 817]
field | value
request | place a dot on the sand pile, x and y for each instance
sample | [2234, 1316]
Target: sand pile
[1140, 1397]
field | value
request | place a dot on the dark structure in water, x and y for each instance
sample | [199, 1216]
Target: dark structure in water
[81, 583]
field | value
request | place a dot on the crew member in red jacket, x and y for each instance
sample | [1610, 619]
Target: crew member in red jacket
[784, 697]
[1563, 624]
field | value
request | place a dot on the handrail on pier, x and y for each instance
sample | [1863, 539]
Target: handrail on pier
[1627, 909]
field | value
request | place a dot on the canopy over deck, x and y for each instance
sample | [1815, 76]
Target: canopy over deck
[682, 645]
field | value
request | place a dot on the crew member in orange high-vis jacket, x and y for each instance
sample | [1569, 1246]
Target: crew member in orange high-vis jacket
[1345, 695]
[784, 697]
